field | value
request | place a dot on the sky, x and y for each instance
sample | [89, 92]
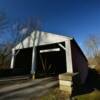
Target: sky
[76, 18]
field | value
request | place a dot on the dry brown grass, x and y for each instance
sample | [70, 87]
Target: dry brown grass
[53, 94]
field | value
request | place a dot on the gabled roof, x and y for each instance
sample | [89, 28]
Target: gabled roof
[41, 38]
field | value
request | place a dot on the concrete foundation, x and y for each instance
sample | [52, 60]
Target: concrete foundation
[66, 81]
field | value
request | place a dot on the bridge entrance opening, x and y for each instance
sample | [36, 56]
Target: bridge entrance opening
[23, 61]
[50, 60]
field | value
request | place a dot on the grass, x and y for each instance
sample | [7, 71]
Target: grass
[95, 95]
[57, 94]
[54, 94]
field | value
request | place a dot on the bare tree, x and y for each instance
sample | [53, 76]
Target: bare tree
[3, 27]
[5, 55]
[92, 46]
[3, 21]
[20, 30]
[17, 33]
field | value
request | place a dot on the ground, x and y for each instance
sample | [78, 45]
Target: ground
[95, 95]
[47, 89]
[56, 94]
[27, 89]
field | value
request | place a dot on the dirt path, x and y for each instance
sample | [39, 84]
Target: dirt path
[24, 91]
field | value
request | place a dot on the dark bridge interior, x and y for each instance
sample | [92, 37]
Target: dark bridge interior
[23, 61]
[48, 62]
[22, 64]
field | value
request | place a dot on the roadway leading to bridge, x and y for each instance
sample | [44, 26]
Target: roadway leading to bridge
[30, 89]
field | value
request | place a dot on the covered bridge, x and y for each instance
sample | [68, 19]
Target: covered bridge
[44, 54]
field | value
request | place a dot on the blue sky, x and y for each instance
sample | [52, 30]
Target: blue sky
[78, 18]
